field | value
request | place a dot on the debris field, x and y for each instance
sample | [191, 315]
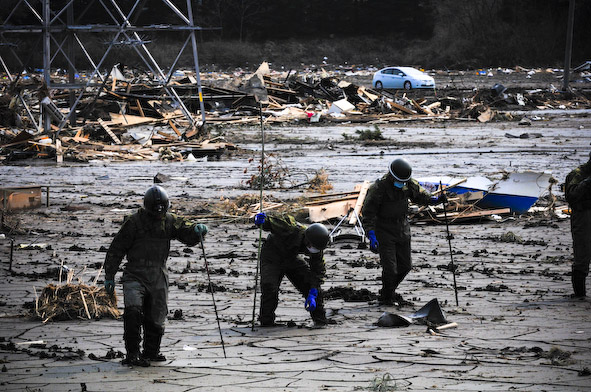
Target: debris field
[515, 324]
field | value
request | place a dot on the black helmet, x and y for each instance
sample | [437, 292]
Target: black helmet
[317, 235]
[400, 169]
[156, 200]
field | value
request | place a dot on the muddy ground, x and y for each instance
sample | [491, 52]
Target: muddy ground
[517, 327]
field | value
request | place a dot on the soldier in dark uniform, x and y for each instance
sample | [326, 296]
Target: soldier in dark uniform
[577, 189]
[145, 239]
[385, 220]
[284, 253]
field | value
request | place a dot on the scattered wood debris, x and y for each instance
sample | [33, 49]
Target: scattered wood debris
[322, 208]
[75, 301]
[133, 119]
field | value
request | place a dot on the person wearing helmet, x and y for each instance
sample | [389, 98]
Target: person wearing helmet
[385, 221]
[145, 239]
[296, 251]
[577, 190]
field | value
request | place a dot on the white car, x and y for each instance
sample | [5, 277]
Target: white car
[402, 78]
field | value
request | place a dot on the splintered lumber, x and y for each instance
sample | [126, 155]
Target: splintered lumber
[174, 128]
[139, 108]
[320, 213]
[68, 302]
[104, 125]
[454, 216]
[359, 202]
[130, 120]
[400, 107]
[438, 191]
[420, 108]
[336, 205]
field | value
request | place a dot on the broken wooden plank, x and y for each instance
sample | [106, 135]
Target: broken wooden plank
[130, 120]
[456, 183]
[474, 214]
[325, 202]
[320, 213]
[104, 125]
[359, 202]
[139, 108]
[400, 107]
[174, 128]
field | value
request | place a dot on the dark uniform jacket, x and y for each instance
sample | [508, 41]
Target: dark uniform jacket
[385, 207]
[286, 241]
[145, 240]
[577, 192]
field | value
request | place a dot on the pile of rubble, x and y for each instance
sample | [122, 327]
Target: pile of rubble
[74, 301]
[131, 117]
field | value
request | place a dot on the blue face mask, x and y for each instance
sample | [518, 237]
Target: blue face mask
[399, 184]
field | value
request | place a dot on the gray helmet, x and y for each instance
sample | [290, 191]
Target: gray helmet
[156, 200]
[317, 235]
[400, 169]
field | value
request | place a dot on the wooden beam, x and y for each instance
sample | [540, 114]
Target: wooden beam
[139, 108]
[331, 210]
[359, 202]
[174, 128]
[109, 131]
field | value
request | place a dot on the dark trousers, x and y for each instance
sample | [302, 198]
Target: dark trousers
[144, 308]
[396, 262]
[273, 269]
[580, 224]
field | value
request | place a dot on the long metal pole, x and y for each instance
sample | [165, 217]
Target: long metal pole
[449, 237]
[569, 44]
[46, 57]
[212, 296]
[261, 179]
[196, 61]
[71, 63]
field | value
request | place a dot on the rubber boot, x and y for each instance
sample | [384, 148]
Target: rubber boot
[152, 340]
[578, 281]
[132, 324]
[385, 296]
[269, 302]
[395, 296]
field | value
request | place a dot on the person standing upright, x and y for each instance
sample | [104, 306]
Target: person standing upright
[577, 190]
[145, 239]
[384, 214]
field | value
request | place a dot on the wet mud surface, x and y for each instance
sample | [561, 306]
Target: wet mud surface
[517, 326]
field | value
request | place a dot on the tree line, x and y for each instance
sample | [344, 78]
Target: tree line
[432, 33]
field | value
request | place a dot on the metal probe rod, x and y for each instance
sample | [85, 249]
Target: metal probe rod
[261, 179]
[449, 237]
[212, 296]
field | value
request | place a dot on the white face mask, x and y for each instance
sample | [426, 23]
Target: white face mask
[312, 250]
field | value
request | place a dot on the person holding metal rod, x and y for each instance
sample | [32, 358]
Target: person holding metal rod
[577, 190]
[145, 239]
[296, 251]
[384, 215]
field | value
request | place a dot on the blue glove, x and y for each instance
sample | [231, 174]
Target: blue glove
[373, 241]
[311, 300]
[260, 218]
[110, 286]
[438, 199]
[201, 229]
